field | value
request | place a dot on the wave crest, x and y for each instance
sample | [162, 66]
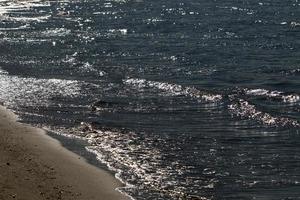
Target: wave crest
[244, 109]
[175, 89]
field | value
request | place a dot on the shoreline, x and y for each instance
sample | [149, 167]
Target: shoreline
[35, 166]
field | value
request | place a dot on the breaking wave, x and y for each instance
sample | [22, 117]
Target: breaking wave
[175, 89]
[277, 95]
[140, 165]
[244, 109]
[237, 105]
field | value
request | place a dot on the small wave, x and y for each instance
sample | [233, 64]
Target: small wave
[294, 24]
[57, 32]
[10, 6]
[153, 20]
[238, 9]
[71, 59]
[244, 109]
[29, 19]
[26, 26]
[20, 6]
[22, 40]
[105, 13]
[292, 72]
[137, 163]
[175, 89]
[118, 31]
[3, 72]
[20, 14]
[287, 98]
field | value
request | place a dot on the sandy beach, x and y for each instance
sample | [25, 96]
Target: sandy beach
[33, 166]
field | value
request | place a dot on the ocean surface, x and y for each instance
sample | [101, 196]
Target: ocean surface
[182, 99]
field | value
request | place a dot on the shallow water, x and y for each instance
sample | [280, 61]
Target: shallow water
[182, 99]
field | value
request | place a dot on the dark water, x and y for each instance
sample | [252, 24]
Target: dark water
[183, 99]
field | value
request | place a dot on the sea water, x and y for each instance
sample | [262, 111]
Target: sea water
[182, 99]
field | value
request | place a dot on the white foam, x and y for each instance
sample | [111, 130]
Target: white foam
[135, 161]
[238, 9]
[57, 32]
[120, 31]
[154, 20]
[175, 89]
[244, 109]
[89, 68]
[294, 24]
[105, 13]
[287, 98]
[26, 26]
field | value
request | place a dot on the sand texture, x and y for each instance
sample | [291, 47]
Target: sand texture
[34, 166]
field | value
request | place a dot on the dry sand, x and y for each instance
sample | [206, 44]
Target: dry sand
[34, 166]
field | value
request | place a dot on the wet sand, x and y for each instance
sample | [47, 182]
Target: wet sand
[33, 166]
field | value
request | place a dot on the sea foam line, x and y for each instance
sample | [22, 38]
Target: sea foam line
[175, 89]
[244, 109]
[99, 156]
[118, 152]
[291, 98]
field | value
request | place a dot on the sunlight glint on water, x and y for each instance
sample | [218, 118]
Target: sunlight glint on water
[182, 99]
